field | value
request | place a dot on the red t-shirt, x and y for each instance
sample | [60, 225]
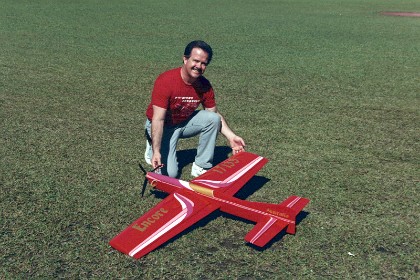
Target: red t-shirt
[181, 100]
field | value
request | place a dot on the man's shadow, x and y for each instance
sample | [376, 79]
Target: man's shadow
[186, 157]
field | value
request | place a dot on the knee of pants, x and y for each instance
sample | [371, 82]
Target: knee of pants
[213, 119]
[172, 171]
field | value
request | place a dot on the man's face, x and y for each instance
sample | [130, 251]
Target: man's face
[196, 64]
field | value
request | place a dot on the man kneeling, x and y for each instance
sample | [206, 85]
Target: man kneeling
[172, 114]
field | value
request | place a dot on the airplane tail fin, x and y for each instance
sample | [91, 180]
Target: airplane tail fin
[281, 216]
[295, 204]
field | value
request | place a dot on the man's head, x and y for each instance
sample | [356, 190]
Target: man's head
[201, 45]
[197, 56]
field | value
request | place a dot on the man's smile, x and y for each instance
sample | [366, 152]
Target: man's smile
[197, 70]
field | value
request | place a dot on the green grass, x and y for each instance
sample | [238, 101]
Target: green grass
[327, 90]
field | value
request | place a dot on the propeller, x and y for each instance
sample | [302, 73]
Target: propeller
[145, 178]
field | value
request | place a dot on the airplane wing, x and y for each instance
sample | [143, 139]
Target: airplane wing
[171, 216]
[232, 174]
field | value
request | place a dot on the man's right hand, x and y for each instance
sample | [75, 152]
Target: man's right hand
[156, 160]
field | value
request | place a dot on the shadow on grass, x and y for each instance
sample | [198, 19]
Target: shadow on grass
[186, 157]
[253, 185]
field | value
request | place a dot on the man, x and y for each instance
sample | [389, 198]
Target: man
[172, 115]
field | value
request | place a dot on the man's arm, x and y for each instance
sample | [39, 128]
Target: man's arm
[236, 143]
[158, 121]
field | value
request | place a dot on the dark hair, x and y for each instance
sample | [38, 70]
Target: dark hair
[201, 45]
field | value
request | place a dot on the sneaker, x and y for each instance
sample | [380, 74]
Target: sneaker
[197, 170]
[148, 153]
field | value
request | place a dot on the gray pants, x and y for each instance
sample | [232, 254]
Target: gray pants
[204, 123]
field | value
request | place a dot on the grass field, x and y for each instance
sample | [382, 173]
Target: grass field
[327, 90]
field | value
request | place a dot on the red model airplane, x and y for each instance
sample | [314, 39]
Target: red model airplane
[189, 202]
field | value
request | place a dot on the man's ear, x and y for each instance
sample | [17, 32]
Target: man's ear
[184, 59]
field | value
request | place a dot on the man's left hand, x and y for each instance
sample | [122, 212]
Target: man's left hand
[237, 144]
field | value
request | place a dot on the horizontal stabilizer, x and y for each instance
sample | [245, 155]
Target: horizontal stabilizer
[296, 203]
[265, 230]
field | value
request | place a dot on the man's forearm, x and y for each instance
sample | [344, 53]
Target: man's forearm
[225, 130]
[236, 143]
[157, 132]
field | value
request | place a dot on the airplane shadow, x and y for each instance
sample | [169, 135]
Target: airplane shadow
[253, 185]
